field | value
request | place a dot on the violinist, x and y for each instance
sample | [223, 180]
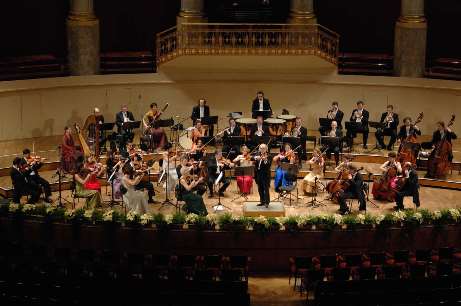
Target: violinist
[96, 170]
[134, 199]
[353, 189]
[194, 202]
[244, 182]
[200, 111]
[359, 115]
[198, 150]
[81, 177]
[334, 147]
[317, 164]
[140, 167]
[389, 123]
[198, 131]
[386, 186]
[169, 170]
[154, 136]
[441, 155]
[286, 155]
[35, 163]
[263, 174]
[409, 186]
[216, 166]
[114, 165]
[22, 184]
[68, 151]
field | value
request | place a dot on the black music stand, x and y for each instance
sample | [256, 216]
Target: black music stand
[264, 113]
[325, 123]
[243, 171]
[210, 121]
[330, 142]
[378, 126]
[314, 203]
[232, 142]
[353, 127]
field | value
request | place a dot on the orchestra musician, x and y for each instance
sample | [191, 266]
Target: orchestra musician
[334, 113]
[154, 135]
[345, 164]
[216, 166]
[317, 163]
[200, 111]
[286, 155]
[336, 146]
[92, 125]
[409, 187]
[139, 166]
[169, 168]
[96, 170]
[35, 163]
[408, 130]
[408, 135]
[198, 150]
[353, 190]
[244, 182]
[232, 130]
[385, 188]
[68, 151]
[134, 199]
[390, 122]
[300, 132]
[198, 131]
[197, 170]
[263, 174]
[120, 118]
[22, 184]
[187, 185]
[81, 177]
[260, 103]
[441, 155]
[260, 131]
[361, 116]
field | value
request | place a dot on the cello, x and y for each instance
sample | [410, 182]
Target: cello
[440, 159]
[409, 148]
[382, 187]
[341, 183]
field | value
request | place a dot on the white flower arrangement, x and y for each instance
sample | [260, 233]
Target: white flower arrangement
[304, 220]
[212, 219]
[169, 219]
[361, 218]
[108, 215]
[69, 214]
[146, 219]
[131, 216]
[418, 217]
[437, 214]
[454, 213]
[192, 218]
[261, 220]
[50, 210]
[399, 215]
[28, 208]
[13, 207]
[88, 214]
[379, 218]
[338, 219]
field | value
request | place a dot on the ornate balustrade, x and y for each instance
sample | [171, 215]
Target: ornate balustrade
[247, 39]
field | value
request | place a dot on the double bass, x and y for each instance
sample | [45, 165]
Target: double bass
[409, 148]
[440, 159]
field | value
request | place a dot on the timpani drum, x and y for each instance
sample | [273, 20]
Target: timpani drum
[277, 126]
[244, 124]
[185, 141]
[290, 122]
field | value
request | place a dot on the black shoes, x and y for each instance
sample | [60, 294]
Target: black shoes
[260, 204]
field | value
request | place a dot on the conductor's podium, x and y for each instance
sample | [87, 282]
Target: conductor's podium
[275, 209]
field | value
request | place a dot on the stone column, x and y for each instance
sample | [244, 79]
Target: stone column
[82, 38]
[410, 40]
[191, 11]
[302, 12]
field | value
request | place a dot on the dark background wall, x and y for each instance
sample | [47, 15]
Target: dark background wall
[38, 27]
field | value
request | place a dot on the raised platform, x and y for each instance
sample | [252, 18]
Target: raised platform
[275, 209]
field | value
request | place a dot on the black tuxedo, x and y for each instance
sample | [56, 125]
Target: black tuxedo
[119, 119]
[255, 106]
[354, 191]
[335, 148]
[23, 185]
[126, 135]
[255, 139]
[388, 131]
[35, 177]
[437, 137]
[235, 132]
[212, 165]
[410, 188]
[196, 112]
[403, 132]
[263, 179]
[302, 135]
[363, 128]
[228, 147]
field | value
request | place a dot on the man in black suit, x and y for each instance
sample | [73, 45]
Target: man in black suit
[232, 130]
[215, 167]
[201, 111]
[34, 166]
[22, 184]
[261, 104]
[300, 132]
[334, 113]
[334, 147]
[120, 118]
[361, 116]
[410, 187]
[259, 132]
[390, 122]
[263, 174]
[354, 191]
[408, 130]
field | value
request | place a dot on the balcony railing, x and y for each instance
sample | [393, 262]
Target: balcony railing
[247, 39]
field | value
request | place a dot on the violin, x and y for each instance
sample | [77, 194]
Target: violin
[32, 160]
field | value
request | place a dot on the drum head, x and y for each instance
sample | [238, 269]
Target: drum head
[185, 142]
[287, 117]
[275, 121]
[246, 121]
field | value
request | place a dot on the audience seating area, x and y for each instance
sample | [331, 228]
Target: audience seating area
[401, 277]
[38, 275]
[445, 68]
[127, 62]
[366, 64]
[32, 67]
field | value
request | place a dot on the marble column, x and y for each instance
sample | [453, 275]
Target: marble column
[82, 38]
[302, 12]
[410, 40]
[191, 11]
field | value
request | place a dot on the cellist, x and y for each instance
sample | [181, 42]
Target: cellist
[385, 187]
[409, 146]
[442, 154]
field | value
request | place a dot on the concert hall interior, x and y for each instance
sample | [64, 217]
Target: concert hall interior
[232, 152]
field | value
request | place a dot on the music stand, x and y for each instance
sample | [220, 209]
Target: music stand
[210, 121]
[353, 127]
[314, 203]
[243, 171]
[233, 142]
[330, 142]
[219, 206]
[264, 113]
[325, 123]
[131, 125]
[378, 126]
[167, 200]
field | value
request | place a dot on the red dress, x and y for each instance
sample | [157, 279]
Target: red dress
[93, 182]
[245, 182]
